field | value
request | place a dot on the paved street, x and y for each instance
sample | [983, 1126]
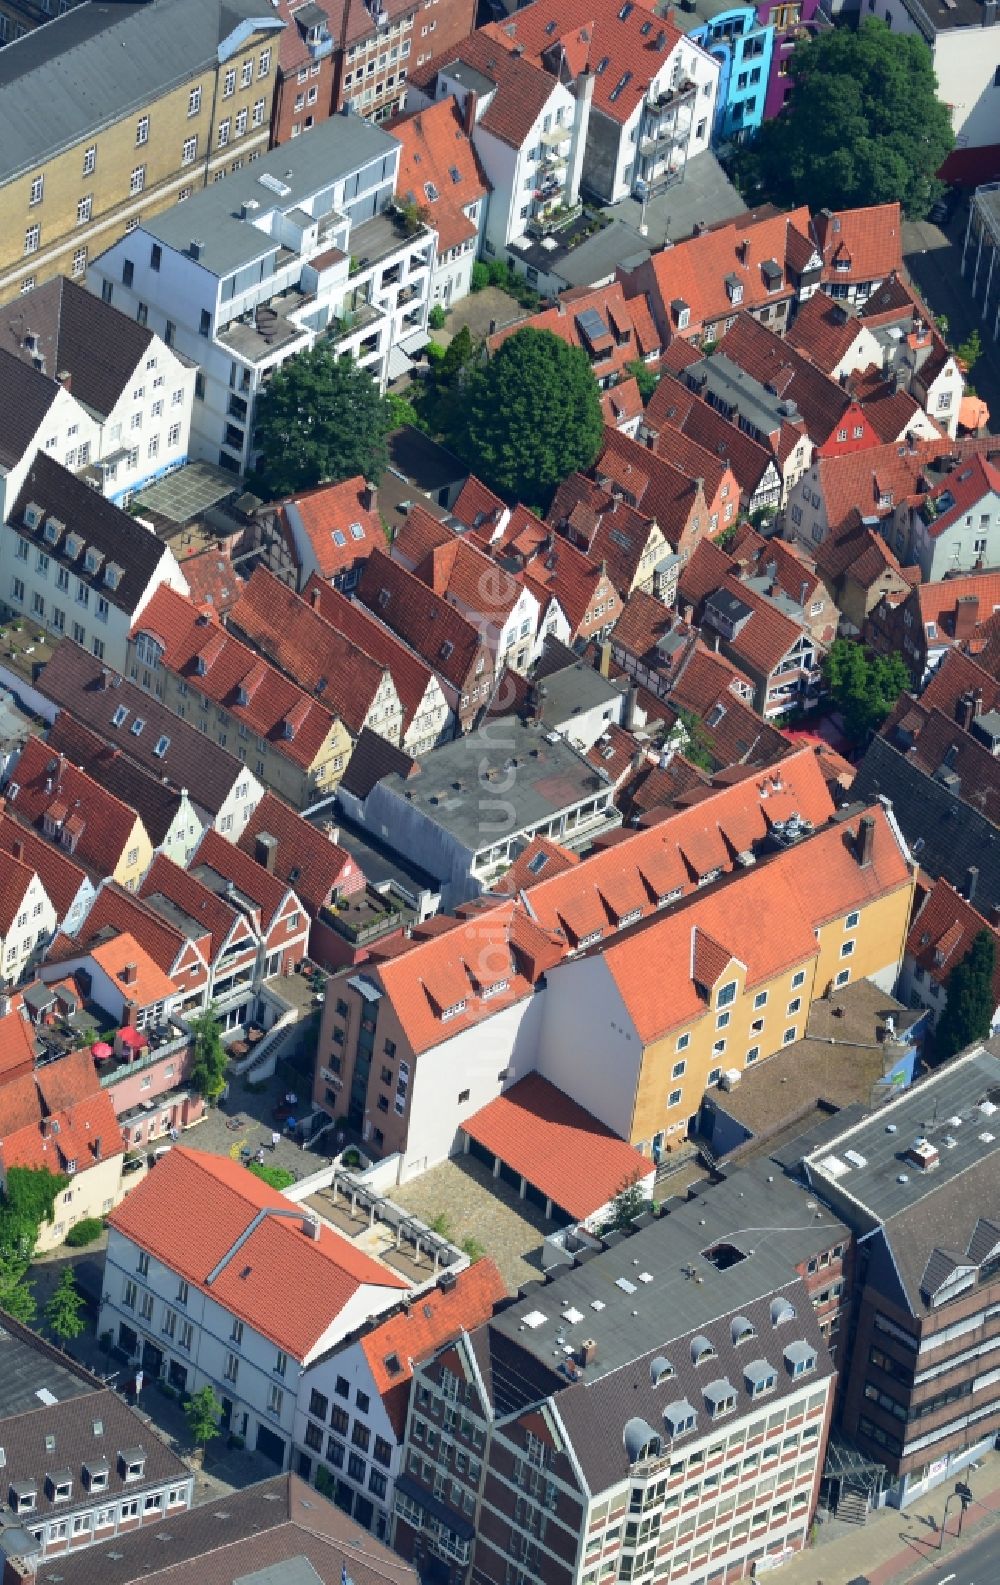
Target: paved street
[978, 1564]
[933, 259]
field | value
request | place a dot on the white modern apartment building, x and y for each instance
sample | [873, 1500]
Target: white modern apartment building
[300, 246]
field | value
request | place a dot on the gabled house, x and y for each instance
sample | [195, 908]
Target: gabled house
[697, 287]
[71, 809]
[291, 633]
[79, 565]
[67, 885]
[444, 639]
[652, 91]
[877, 484]
[912, 345]
[612, 331]
[221, 788]
[308, 858]
[859, 248]
[859, 570]
[28, 919]
[674, 409]
[627, 544]
[58, 1118]
[932, 619]
[222, 933]
[775, 651]
[955, 528]
[439, 171]
[271, 906]
[181, 953]
[944, 927]
[329, 531]
[292, 742]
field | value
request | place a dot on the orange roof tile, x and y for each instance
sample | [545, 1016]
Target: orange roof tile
[191, 1213]
[441, 636]
[438, 157]
[825, 330]
[860, 244]
[216, 664]
[326, 516]
[942, 934]
[305, 857]
[17, 1042]
[416, 1332]
[206, 911]
[571, 317]
[265, 891]
[557, 1146]
[47, 785]
[65, 1092]
[542, 856]
[123, 954]
[57, 872]
[523, 89]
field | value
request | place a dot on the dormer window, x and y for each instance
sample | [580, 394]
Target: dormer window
[74, 545]
[23, 1496]
[453, 1012]
[800, 1357]
[734, 288]
[132, 1463]
[32, 515]
[60, 1485]
[113, 574]
[842, 266]
[92, 560]
[96, 1475]
[53, 530]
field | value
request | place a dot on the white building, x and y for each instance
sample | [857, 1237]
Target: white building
[28, 919]
[298, 247]
[965, 43]
[439, 172]
[212, 1278]
[74, 564]
[128, 417]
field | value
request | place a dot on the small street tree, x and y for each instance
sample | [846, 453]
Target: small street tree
[863, 125]
[968, 1011]
[970, 351]
[528, 418]
[208, 1067]
[321, 418]
[64, 1310]
[16, 1297]
[864, 687]
[203, 1413]
[627, 1204]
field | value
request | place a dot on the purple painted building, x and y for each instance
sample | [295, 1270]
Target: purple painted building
[792, 20]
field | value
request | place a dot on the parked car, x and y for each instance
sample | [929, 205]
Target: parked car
[942, 211]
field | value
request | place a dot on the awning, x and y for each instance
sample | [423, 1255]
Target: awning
[397, 364]
[415, 342]
[973, 413]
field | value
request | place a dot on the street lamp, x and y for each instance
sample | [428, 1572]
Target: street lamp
[964, 1495]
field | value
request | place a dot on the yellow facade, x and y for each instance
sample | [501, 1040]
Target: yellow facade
[135, 858]
[762, 1017]
[91, 1193]
[57, 217]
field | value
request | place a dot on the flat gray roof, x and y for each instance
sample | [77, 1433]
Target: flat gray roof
[729, 383]
[87, 69]
[462, 784]
[28, 1370]
[957, 1110]
[574, 691]
[332, 150]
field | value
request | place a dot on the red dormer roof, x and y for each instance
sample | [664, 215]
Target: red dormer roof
[860, 244]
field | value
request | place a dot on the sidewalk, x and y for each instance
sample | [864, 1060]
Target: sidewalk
[895, 1547]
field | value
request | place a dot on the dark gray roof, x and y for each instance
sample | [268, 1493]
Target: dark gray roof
[272, 1531]
[93, 694]
[922, 1218]
[332, 151]
[75, 333]
[25, 398]
[946, 834]
[372, 758]
[98, 524]
[87, 69]
[28, 1366]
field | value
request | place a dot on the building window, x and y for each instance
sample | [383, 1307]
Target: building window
[679, 1070]
[224, 129]
[37, 189]
[674, 1098]
[229, 83]
[32, 237]
[194, 101]
[847, 949]
[752, 1055]
[241, 122]
[137, 180]
[727, 995]
[141, 131]
[80, 262]
[788, 1036]
[84, 209]
[258, 112]
[264, 64]
[798, 978]
[683, 1041]
[90, 160]
[189, 152]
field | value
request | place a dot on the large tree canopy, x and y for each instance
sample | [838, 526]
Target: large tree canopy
[320, 419]
[863, 125]
[529, 417]
[864, 687]
[968, 1012]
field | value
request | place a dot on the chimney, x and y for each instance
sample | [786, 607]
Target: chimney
[803, 593]
[265, 850]
[588, 1351]
[195, 247]
[17, 849]
[311, 1227]
[96, 1147]
[971, 881]
[469, 112]
[4, 1004]
[866, 840]
[965, 710]
[314, 599]
[966, 615]
[631, 707]
[604, 658]
[369, 496]
[105, 679]
[129, 974]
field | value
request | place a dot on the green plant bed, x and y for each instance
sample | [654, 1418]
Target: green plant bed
[351, 1158]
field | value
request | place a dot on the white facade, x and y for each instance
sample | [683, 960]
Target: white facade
[318, 257]
[41, 589]
[33, 926]
[341, 1425]
[661, 134]
[65, 428]
[965, 63]
[967, 545]
[589, 1046]
[187, 1337]
[433, 721]
[451, 278]
[148, 431]
[236, 808]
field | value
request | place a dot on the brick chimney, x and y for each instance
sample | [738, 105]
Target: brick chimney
[369, 495]
[265, 850]
[966, 615]
[65, 379]
[17, 849]
[965, 709]
[314, 599]
[866, 840]
[469, 112]
[129, 974]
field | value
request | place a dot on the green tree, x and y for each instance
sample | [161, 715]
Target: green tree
[208, 1066]
[203, 1413]
[529, 417]
[968, 1011]
[627, 1204]
[321, 418]
[697, 748]
[645, 378]
[64, 1311]
[436, 317]
[863, 125]
[16, 1297]
[971, 350]
[864, 687]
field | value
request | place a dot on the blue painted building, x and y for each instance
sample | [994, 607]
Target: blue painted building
[743, 47]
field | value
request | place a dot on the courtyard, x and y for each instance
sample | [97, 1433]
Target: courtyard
[461, 1199]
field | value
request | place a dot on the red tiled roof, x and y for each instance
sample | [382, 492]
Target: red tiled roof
[578, 35]
[211, 913]
[292, 633]
[825, 330]
[416, 1332]
[305, 857]
[411, 676]
[477, 506]
[861, 480]
[15, 878]
[17, 1042]
[542, 856]
[65, 1092]
[804, 887]
[956, 675]
[967, 483]
[937, 602]
[118, 957]
[420, 618]
[116, 912]
[60, 876]
[859, 553]
[674, 408]
[435, 150]
[769, 359]
[869, 241]
[100, 825]
[212, 579]
[326, 515]
[942, 934]
[523, 89]
[555, 1145]
[621, 404]
[267, 892]
[644, 621]
[275, 707]
[767, 636]
[190, 1214]
[608, 354]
